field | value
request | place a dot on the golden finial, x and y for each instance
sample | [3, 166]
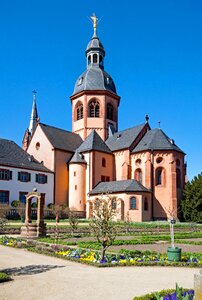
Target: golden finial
[94, 21]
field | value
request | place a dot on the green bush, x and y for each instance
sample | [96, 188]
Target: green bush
[34, 205]
[15, 203]
[4, 277]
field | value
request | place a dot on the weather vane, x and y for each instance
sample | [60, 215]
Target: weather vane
[95, 22]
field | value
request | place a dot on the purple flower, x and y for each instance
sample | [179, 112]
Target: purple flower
[103, 261]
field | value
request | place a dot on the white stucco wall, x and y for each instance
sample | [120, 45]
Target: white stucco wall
[15, 186]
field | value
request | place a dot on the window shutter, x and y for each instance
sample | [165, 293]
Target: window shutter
[10, 175]
[29, 177]
[19, 175]
[37, 177]
[46, 178]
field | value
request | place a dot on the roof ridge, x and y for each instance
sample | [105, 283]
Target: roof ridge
[130, 128]
[57, 128]
[94, 142]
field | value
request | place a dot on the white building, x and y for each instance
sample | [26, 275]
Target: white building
[20, 173]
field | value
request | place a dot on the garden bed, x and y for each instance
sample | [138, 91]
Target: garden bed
[93, 257]
[171, 294]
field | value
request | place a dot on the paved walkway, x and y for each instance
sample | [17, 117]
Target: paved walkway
[46, 278]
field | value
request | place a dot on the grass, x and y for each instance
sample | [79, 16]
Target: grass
[138, 240]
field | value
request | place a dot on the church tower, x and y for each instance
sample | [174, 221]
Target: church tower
[34, 119]
[94, 100]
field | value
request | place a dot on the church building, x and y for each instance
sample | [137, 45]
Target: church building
[140, 167]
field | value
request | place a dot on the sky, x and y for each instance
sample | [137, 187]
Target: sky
[153, 53]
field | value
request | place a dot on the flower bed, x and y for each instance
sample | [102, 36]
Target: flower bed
[123, 258]
[175, 294]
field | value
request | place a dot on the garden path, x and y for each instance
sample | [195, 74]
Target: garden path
[42, 277]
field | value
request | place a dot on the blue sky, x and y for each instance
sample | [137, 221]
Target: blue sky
[153, 53]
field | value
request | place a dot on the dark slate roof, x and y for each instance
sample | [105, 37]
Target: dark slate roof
[94, 78]
[14, 156]
[94, 44]
[78, 158]
[62, 139]
[94, 142]
[130, 185]
[124, 139]
[156, 139]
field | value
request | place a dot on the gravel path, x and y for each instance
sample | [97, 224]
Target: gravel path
[161, 247]
[46, 278]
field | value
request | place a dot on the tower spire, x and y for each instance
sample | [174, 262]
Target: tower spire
[34, 114]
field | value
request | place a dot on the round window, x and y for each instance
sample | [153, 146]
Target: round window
[159, 160]
[37, 146]
[138, 162]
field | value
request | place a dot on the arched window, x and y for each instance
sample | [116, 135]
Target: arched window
[138, 175]
[79, 111]
[94, 109]
[133, 203]
[103, 162]
[177, 162]
[89, 60]
[110, 111]
[101, 61]
[145, 204]
[113, 203]
[94, 58]
[178, 178]
[160, 176]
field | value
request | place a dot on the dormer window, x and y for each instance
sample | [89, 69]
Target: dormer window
[80, 81]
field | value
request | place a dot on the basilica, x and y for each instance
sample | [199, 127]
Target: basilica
[140, 167]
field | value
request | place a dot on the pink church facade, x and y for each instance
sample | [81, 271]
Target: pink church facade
[141, 168]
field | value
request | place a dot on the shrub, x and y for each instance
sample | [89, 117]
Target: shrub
[34, 205]
[4, 277]
[15, 203]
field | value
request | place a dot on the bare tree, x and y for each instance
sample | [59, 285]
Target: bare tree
[58, 211]
[102, 224]
[73, 219]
